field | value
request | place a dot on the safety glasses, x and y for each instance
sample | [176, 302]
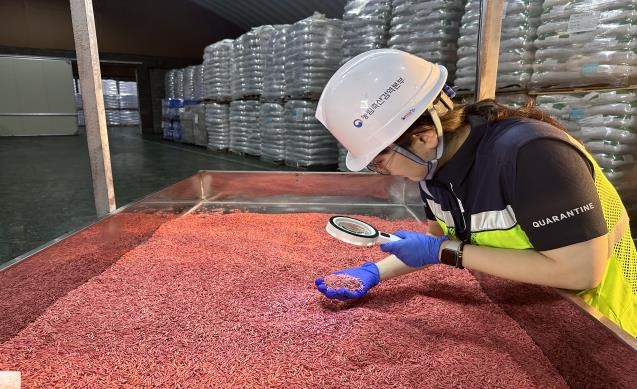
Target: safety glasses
[379, 166]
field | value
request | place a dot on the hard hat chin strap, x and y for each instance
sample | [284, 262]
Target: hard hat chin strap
[441, 106]
[432, 165]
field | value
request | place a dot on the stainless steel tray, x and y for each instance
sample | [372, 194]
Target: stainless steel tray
[284, 192]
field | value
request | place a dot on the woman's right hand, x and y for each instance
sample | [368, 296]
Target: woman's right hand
[415, 249]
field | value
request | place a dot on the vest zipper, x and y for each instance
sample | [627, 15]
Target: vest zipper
[457, 198]
[462, 213]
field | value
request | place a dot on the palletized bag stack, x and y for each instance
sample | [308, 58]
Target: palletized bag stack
[170, 83]
[365, 26]
[129, 117]
[77, 94]
[128, 95]
[559, 107]
[314, 52]
[218, 126]
[248, 62]
[428, 29]
[308, 143]
[127, 87]
[81, 121]
[79, 105]
[515, 64]
[112, 117]
[275, 62]
[111, 102]
[198, 82]
[247, 66]
[244, 124]
[110, 93]
[515, 101]
[271, 113]
[606, 123]
[342, 155]
[217, 90]
[189, 83]
[582, 43]
[237, 77]
[179, 83]
[273, 132]
[216, 70]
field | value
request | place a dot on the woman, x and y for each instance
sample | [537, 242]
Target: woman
[507, 192]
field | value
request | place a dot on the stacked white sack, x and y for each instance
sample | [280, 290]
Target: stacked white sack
[179, 83]
[308, 143]
[248, 62]
[198, 82]
[216, 70]
[189, 83]
[245, 136]
[218, 126]
[111, 95]
[583, 43]
[275, 62]
[606, 123]
[515, 64]
[365, 26]
[429, 29]
[314, 52]
[170, 83]
[273, 132]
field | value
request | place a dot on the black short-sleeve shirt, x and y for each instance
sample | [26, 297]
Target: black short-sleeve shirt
[555, 200]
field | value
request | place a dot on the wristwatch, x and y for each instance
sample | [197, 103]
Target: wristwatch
[452, 254]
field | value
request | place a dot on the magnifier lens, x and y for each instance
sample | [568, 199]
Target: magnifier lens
[351, 230]
[356, 231]
[355, 226]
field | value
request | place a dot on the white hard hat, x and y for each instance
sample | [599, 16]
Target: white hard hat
[373, 98]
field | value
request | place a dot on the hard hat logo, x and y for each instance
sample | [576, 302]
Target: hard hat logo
[408, 114]
[358, 123]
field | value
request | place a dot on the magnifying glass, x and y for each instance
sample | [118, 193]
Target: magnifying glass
[357, 232]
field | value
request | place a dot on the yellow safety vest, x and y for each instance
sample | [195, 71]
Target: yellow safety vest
[616, 295]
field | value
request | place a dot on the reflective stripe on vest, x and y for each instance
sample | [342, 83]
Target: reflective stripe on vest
[484, 221]
[489, 229]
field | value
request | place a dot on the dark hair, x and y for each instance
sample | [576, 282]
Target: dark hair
[489, 109]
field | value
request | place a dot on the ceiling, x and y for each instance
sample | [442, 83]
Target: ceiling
[252, 13]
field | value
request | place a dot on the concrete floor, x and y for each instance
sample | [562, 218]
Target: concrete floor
[45, 182]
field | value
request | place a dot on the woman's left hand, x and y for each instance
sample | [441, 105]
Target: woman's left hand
[368, 275]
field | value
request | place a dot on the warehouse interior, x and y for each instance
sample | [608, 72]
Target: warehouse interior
[206, 108]
[187, 29]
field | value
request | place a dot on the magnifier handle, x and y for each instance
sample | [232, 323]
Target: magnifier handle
[384, 237]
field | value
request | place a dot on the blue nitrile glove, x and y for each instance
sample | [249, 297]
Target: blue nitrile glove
[415, 249]
[367, 274]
